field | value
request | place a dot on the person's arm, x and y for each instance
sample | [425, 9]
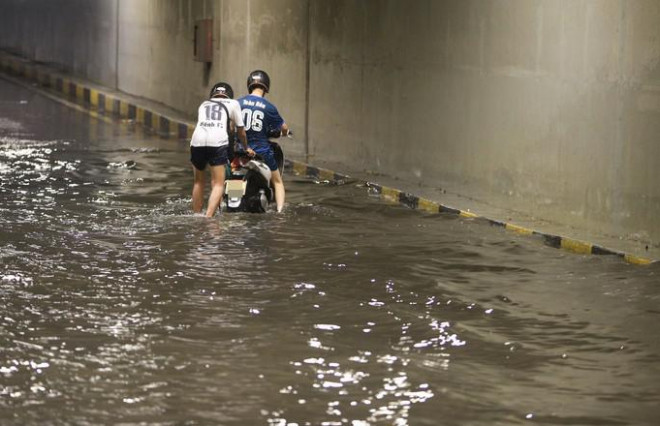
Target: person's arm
[237, 121]
[242, 136]
[277, 121]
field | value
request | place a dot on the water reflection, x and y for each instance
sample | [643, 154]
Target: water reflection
[121, 307]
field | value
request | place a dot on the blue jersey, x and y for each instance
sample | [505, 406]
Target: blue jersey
[259, 117]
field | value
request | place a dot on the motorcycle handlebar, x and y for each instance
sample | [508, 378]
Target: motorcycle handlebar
[276, 133]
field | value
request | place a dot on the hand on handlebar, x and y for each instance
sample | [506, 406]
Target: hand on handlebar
[274, 133]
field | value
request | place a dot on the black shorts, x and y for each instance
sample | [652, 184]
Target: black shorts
[200, 156]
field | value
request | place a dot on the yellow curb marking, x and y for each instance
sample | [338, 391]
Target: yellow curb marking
[174, 128]
[65, 86]
[519, 229]
[139, 114]
[109, 100]
[390, 194]
[636, 260]
[123, 109]
[325, 174]
[300, 168]
[94, 97]
[428, 205]
[575, 246]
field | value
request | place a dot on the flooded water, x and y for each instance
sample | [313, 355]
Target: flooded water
[120, 307]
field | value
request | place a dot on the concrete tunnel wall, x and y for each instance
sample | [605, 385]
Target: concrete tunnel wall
[551, 107]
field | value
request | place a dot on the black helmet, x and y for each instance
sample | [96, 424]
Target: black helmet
[258, 78]
[222, 89]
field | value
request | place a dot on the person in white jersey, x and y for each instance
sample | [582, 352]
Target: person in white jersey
[216, 118]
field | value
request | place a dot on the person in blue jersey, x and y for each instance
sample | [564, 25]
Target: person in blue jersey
[209, 145]
[262, 119]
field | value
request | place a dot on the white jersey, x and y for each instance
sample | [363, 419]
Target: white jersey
[213, 122]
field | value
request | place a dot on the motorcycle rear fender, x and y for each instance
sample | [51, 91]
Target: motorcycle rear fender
[234, 188]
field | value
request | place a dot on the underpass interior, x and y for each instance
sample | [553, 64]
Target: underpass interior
[442, 152]
[540, 113]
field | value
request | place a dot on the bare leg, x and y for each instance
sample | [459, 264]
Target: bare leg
[278, 185]
[217, 189]
[198, 190]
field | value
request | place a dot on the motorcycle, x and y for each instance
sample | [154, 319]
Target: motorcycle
[248, 186]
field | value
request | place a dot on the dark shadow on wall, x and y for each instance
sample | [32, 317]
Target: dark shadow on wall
[207, 73]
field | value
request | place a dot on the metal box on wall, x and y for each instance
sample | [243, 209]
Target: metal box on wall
[204, 40]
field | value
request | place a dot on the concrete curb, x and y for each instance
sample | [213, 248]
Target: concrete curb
[106, 103]
[415, 202]
[555, 241]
